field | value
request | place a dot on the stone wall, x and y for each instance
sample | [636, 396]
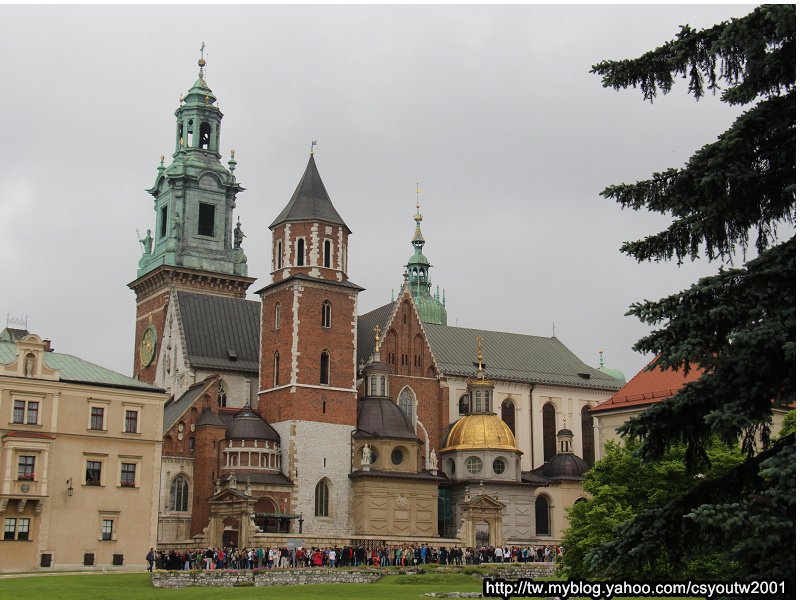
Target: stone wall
[280, 577]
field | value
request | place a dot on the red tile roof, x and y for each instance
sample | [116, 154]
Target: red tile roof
[649, 387]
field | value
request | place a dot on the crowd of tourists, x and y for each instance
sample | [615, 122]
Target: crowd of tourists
[347, 556]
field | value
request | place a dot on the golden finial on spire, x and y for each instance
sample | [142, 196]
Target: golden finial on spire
[377, 338]
[480, 353]
[180, 98]
[202, 62]
[418, 217]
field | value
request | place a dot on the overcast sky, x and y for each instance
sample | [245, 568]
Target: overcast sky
[492, 109]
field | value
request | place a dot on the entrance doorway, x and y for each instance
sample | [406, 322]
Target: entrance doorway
[230, 533]
[481, 534]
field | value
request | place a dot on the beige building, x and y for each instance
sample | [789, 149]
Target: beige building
[80, 455]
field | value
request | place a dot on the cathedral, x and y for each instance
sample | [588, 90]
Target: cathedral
[296, 417]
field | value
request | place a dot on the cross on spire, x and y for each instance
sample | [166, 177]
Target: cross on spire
[202, 62]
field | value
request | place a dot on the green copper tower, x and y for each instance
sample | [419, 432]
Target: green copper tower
[195, 195]
[431, 308]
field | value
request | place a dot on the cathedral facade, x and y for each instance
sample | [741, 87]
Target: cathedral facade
[296, 417]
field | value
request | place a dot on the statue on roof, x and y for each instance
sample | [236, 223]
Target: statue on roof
[146, 242]
[366, 455]
[238, 235]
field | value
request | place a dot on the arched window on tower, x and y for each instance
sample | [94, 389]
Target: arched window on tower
[487, 401]
[321, 499]
[301, 252]
[222, 397]
[326, 314]
[587, 433]
[205, 136]
[276, 368]
[549, 430]
[277, 315]
[278, 255]
[407, 402]
[463, 404]
[325, 368]
[179, 494]
[508, 414]
[542, 515]
[190, 134]
[327, 254]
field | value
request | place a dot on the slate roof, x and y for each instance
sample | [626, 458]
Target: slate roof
[310, 201]
[507, 356]
[248, 425]
[365, 340]
[649, 387]
[562, 467]
[220, 332]
[77, 370]
[174, 409]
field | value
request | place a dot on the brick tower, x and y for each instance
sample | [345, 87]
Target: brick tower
[194, 245]
[308, 354]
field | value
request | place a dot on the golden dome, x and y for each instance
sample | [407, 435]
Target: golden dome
[480, 432]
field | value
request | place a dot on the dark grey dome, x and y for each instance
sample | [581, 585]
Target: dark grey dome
[380, 417]
[248, 425]
[208, 418]
[565, 432]
[564, 466]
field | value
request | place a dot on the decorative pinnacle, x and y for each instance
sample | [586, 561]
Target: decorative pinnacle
[232, 161]
[377, 338]
[601, 357]
[161, 164]
[180, 98]
[480, 355]
[418, 217]
[202, 62]
[313, 143]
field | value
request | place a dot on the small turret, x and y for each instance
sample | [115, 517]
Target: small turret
[430, 308]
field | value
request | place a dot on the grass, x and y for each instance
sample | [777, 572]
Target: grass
[136, 586]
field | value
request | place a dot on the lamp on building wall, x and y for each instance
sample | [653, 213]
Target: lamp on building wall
[70, 490]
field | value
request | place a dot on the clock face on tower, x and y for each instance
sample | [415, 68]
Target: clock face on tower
[147, 349]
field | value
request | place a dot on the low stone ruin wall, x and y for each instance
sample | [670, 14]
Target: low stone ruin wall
[306, 576]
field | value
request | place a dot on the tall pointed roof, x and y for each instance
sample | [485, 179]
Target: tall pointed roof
[310, 201]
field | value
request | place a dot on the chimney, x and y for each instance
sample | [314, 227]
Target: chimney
[47, 346]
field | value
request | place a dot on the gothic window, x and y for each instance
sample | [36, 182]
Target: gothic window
[587, 433]
[463, 404]
[279, 255]
[406, 401]
[325, 368]
[327, 254]
[163, 227]
[277, 315]
[205, 136]
[542, 515]
[276, 367]
[179, 494]
[549, 430]
[326, 314]
[507, 413]
[205, 221]
[301, 252]
[321, 499]
[222, 397]
[383, 385]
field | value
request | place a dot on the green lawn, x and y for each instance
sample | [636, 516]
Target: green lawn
[136, 586]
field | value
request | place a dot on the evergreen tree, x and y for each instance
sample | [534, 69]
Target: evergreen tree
[739, 325]
[623, 485]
